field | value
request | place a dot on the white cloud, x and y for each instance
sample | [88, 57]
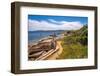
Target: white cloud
[54, 21]
[44, 25]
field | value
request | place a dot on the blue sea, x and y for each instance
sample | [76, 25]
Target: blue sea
[35, 36]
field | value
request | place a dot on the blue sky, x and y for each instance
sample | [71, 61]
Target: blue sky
[49, 22]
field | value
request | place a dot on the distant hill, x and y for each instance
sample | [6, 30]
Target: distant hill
[46, 31]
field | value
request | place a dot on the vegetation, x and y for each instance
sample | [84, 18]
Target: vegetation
[75, 44]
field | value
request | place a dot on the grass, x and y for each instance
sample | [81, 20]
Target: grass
[73, 51]
[75, 45]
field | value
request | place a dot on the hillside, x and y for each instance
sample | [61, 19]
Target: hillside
[74, 44]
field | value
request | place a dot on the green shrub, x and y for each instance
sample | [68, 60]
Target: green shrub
[75, 44]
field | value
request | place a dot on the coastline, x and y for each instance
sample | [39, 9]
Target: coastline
[45, 44]
[44, 39]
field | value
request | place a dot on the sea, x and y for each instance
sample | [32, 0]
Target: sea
[35, 36]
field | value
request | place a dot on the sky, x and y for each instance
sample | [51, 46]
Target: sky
[50, 22]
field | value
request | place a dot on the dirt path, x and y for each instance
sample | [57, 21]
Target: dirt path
[56, 54]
